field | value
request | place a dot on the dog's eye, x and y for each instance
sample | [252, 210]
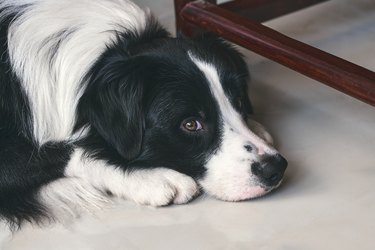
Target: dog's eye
[192, 125]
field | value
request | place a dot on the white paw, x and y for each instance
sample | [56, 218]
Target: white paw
[160, 187]
[260, 131]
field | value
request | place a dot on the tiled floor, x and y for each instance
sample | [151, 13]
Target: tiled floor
[327, 200]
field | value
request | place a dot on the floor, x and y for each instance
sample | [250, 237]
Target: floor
[328, 138]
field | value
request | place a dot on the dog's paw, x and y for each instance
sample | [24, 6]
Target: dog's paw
[160, 187]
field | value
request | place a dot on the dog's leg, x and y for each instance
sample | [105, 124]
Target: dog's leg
[155, 187]
[260, 130]
[67, 198]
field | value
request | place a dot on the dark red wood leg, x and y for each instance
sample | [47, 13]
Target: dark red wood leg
[263, 10]
[178, 5]
[340, 74]
[185, 27]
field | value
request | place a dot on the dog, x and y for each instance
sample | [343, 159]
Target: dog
[98, 100]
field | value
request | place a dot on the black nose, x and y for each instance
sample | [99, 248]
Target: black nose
[270, 169]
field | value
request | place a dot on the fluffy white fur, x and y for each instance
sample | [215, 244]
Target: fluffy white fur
[229, 174]
[69, 197]
[51, 77]
[88, 181]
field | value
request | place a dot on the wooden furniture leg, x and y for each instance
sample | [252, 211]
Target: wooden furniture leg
[333, 71]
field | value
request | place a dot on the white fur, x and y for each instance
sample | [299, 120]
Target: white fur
[229, 174]
[67, 198]
[53, 79]
[88, 180]
[260, 130]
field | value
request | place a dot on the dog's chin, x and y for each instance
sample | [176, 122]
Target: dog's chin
[247, 193]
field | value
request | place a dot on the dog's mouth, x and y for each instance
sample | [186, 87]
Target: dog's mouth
[269, 189]
[262, 191]
[248, 193]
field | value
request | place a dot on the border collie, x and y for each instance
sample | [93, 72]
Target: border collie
[98, 100]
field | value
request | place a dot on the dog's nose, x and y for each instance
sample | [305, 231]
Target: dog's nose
[270, 169]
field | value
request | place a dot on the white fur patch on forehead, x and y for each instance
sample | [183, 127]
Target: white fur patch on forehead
[229, 115]
[216, 88]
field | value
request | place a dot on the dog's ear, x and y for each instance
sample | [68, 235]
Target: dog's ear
[114, 99]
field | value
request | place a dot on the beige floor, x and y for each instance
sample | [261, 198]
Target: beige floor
[327, 200]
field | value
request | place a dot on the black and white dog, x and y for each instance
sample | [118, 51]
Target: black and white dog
[97, 100]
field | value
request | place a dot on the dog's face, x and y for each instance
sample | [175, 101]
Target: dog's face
[183, 105]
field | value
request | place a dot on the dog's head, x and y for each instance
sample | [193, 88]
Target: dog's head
[183, 105]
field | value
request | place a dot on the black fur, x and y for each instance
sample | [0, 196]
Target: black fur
[24, 167]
